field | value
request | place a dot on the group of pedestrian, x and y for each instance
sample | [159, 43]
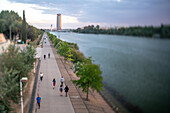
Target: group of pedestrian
[45, 39]
[66, 89]
[38, 99]
[61, 86]
[48, 56]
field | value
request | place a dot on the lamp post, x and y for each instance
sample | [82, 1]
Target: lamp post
[34, 67]
[23, 79]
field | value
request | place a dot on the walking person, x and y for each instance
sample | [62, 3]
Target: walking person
[62, 80]
[44, 57]
[61, 90]
[66, 90]
[54, 82]
[41, 76]
[48, 55]
[38, 100]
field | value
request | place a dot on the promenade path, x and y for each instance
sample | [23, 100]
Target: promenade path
[52, 102]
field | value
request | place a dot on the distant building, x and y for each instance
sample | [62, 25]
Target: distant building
[2, 38]
[3, 43]
[58, 21]
[51, 27]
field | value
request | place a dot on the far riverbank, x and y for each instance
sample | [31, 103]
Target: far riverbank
[162, 31]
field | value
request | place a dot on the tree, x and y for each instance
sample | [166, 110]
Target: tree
[32, 32]
[28, 55]
[14, 65]
[10, 19]
[24, 34]
[77, 56]
[97, 27]
[77, 66]
[12, 59]
[69, 55]
[9, 89]
[2, 25]
[56, 41]
[7, 19]
[90, 77]
[65, 50]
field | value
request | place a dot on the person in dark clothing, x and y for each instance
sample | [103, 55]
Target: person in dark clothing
[66, 90]
[44, 57]
[61, 90]
[54, 82]
[48, 55]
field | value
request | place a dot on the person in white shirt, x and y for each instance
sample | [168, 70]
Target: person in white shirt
[62, 80]
[41, 76]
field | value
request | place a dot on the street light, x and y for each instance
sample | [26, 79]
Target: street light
[23, 79]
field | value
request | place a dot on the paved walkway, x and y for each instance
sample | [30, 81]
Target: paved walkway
[52, 102]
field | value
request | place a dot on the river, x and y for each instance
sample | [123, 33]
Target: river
[137, 68]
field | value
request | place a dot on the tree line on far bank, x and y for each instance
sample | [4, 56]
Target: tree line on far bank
[148, 31]
[89, 73]
[11, 20]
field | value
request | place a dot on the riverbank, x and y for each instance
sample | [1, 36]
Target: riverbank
[140, 31]
[96, 103]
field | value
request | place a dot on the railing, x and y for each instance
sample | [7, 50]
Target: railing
[34, 88]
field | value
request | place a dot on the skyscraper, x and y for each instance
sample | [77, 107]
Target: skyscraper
[51, 27]
[58, 21]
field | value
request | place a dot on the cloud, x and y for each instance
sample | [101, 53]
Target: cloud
[110, 12]
[37, 15]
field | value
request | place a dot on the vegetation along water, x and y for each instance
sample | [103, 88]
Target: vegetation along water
[136, 68]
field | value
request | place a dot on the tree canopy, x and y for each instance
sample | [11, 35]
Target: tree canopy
[7, 19]
[24, 28]
[90, 77]
[12, 19]
[15, 64]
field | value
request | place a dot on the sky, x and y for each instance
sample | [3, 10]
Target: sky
[79, 13]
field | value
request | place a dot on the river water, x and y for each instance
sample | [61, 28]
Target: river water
[137, 68]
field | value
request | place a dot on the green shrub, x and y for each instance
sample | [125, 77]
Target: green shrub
[14, 64]
[78, 56]
[73, 45]
[38, 42]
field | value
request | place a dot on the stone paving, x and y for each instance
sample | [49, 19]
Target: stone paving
[52, 102]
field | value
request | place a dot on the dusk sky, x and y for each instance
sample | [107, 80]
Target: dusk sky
[78, 13]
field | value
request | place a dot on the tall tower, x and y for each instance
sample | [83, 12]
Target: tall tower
[58, 21]
[51, 27]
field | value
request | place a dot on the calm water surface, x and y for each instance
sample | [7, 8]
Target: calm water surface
[137, 68]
